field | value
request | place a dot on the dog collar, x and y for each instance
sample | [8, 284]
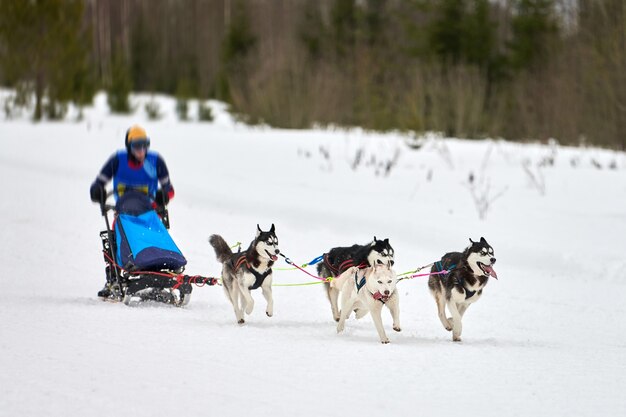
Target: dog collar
[382, 298]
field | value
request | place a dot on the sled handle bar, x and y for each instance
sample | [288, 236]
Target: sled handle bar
[104, 207]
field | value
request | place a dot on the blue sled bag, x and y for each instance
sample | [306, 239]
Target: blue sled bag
[143, 242]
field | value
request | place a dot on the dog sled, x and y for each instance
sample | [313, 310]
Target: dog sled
[142, 261]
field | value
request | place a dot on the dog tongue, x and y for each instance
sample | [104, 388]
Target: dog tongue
[378, 296]
[274, 257]
[491, 271]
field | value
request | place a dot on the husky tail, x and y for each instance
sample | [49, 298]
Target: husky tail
[222, 250]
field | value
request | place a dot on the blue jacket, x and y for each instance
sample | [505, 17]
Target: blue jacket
[128, 174]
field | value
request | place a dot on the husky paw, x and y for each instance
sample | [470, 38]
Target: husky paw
[448, 326]
[336, 319]
[456, 338]
[269, 314]
[241, 321]
[397, 328]
[340, 327]
[384, 341]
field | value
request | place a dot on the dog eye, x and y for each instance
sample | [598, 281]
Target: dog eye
[380, 282]
[389, 282]
[391, 262]
[379, 262]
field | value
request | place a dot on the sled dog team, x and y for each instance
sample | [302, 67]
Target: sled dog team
[363, 276]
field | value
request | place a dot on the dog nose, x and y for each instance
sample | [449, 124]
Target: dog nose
[277, 251]
[386, 292]
[493, 261]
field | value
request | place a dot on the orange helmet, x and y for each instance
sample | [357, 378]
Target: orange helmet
[135, 133]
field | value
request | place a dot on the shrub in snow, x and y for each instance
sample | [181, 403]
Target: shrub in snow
[536, 178]
[205, 114]
[153, 110]
[182, 109]
[482, 194]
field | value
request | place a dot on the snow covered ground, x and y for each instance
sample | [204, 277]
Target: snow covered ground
[547, 339]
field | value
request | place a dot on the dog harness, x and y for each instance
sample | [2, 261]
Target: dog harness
[439, 268]
[345, 265]
[361, 283]
[258, 277]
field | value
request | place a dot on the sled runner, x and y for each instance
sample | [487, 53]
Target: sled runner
[142, 261]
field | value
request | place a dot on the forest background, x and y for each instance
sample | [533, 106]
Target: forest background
[515, 69]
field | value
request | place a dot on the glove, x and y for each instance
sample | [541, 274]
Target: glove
[162, 198]
[97, 192]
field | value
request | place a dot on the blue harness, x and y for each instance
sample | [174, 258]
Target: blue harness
[439, 268]
[359, 284]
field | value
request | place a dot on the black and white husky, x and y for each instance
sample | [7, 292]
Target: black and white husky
[248, 270]
[463, 285]
[366, 291]
[339, 259]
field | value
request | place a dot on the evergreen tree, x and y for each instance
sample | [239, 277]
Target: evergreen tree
[447, 30]
[120, 87]
[343, 25]
[143, 56]
[44, 45]
[478, 34]
[311, 30]
[236, 46]
[183, 94]
[534, 30]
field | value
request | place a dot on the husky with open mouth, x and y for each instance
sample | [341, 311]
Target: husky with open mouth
[469, 272]
[366, 291]
[338, 260]
[248, 270]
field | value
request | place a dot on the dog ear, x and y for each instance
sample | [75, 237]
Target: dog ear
[482, 240]
[375, 240]
[471, 241]
[272, 229]
[387, 241]
[258, 230]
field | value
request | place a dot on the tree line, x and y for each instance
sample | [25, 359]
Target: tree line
[517, 69]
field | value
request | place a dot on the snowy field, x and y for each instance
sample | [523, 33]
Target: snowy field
[546, 339]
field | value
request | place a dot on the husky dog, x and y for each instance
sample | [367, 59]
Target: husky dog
[366, 290]
[463, 285]
[338, 260]
[248, 270]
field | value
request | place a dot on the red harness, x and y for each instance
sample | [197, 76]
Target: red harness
[258, 278]
[344, 266]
